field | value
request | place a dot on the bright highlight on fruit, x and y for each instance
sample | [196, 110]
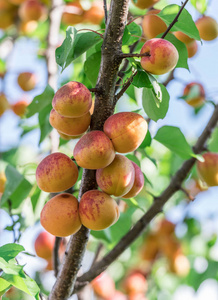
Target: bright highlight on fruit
[56, 173]
[162, 56]
[208, 170]
[60, 215]
[126, 130]
[72, 100]
[97, 210]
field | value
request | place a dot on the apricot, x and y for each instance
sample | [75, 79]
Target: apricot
[208, 170]
[4, 104]
[44, 245]
[73, 13]
[70, 126]
[6, 18]
[60, 215]
[97, 210]
[69, 137]
[150, 248]
[2, 182]
[183, 37]
[95, 14]
[27, 27]
[94, 150]
[138, 183]
[135, 283]
[152, 25]
[179, 264]
[162, 56]
[32, 10]
[56, 173]
[195, 94]
[143, 4]
[19, 108]
[116, 179]
[118, 296]
[166, 228]
[27, 81]
[207, 27]
[103, 285]
[72, 100]
[192, 49]
[126, 130]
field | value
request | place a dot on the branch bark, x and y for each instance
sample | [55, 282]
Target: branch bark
[156, 208]
[104, 107]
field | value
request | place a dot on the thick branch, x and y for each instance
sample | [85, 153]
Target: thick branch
[104, 107]
[156, 208]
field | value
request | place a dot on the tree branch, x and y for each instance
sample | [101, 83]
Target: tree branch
[156, 208]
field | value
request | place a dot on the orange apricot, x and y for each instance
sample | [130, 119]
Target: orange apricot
[183, 37]
[72, 100]
[138, 183]
[70, 126]
[2, 182]
[152, 25]
[73, 13]
[195, 94]
[135, 283]
[97, 210]
[192, 49]
[117, 178]
[207, 27]
[32, 10]
[208, 169]
[4, 104]
[69, 137]
[27, 81]
[19, 108]
[143, 4]
[56, 173]
[6, 18]
[103, 285]
[94, 150]
[126, 130]
[95, 14]
[60, 215]
[44, 244]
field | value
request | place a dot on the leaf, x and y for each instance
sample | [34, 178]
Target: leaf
[155, 105]
[10, 268]
[40, 102]
[147, 141]
[213, 142]
[24, 283]
[185, 22]
[74, 45]
[4, 286]
[134, 159]
[45, 126]
[92, 66]
[17, 187]
[103, 235]
[10, 251]
[133, 203]
[200, 5]
[131, 34]
[172, 138]
[141, 79]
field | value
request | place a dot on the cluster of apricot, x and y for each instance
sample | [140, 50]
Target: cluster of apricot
[163, 241]
[27, 82]
[134, 287]
[96, 150]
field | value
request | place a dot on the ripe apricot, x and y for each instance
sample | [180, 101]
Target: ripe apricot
[56, 173]
[44, 244]
[27, 81]
[27, 27]
[117, 178]
[72, 100]
[60, 215]
[192, 49]
[6, 18]
[103, 285]
[183, 37]
[95, 14]
[4, 104]
[19, 108]
[207, 27]
[143, 4]
[73, 13]
[94, 150]
[152, 25]
[195, 94]
[70, 126]
[2, 182]
[135, 283]
[97, 210]
[138, 183]
[150, 248]
[208, 170]
[69, 137]
[126, 130]
[32, 10]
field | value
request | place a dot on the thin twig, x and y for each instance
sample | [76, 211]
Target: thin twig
[125, 87]
[97, 253]
[127, 55]
[190, 197]
[175, 20]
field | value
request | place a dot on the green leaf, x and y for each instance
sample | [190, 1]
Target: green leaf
[10, 251]
[4, 286]
[172, 138]
[92, 66]
[17, 187]
[185, 22]
[45, 126]
[200, 5]
[133, 203]
[10, 268]
[141, 79]
[24, 283]
[213, 142]
[147, 141]
[131, 92]
[103, 235]
[155, 104]
[134, 159]
[74, 45]
[182, 50]
[40, 102]
[131, 34]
